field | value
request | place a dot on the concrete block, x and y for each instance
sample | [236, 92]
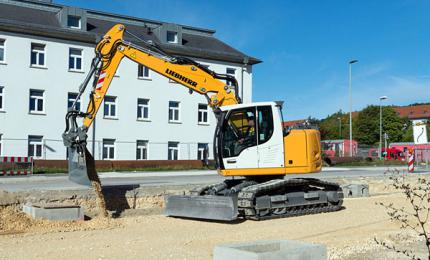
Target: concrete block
[271, 250]
[356, 190]
[54, 212]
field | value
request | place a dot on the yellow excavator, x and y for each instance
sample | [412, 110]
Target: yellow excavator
[251, 148]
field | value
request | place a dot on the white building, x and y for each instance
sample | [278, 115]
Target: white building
[45, 52]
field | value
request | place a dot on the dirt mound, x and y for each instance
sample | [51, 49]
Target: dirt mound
[7, 198]
[13, 221]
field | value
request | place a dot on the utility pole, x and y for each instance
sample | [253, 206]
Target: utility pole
[350, 105]
[380, 125]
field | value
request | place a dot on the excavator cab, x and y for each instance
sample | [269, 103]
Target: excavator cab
[249, 137]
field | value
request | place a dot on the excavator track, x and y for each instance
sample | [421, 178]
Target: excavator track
[280, 198]
[260, 200]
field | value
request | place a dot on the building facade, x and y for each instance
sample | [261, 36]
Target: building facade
[45, 52]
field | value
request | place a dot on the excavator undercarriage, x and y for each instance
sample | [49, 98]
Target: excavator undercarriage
[248, 198]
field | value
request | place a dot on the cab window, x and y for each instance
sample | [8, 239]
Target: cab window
[265, 124]
[239, 132]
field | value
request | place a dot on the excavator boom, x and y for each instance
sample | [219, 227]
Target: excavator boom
[112, 49]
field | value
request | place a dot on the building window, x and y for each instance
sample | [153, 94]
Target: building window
[173, 151]
[1, 98]
[143, 72]
[203, 114]
[75, 59]
[108, 149]
[172, 37]
[110, 107]
[142, 109]
[174, 111]
[202, 151]
[37, 55]
[2, 51]
[36, 101]
[141, 150]
[71, 97]
[35, 144]
[74, 22]
[231, 72]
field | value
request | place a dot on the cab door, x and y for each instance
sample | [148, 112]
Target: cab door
[270, 137]
[239, 139]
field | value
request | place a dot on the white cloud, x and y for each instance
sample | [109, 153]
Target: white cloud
[401, 90]
[370, 70]
[333, 95]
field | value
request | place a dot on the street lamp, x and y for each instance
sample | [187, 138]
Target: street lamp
[380, 125]
[350, 105]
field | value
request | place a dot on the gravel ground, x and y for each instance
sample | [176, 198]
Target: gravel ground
[348, 234]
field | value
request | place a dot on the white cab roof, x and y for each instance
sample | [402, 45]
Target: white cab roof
[230, 107]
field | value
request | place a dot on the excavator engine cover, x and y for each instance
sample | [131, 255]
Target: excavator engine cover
[222, 208]
[79, 163]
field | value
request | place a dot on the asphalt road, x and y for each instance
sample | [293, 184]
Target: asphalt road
[60, 181]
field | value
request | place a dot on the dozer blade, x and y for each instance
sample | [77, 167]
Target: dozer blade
[202, 207]
[79, 164]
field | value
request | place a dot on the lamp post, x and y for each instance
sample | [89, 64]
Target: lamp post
[340, 127]
[350, 105]
[380, 125]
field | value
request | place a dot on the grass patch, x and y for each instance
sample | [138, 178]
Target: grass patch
[372, 163]
[157, 169]
[45, 170]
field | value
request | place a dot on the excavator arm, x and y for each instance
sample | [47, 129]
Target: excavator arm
[109, 53]
[112, 49]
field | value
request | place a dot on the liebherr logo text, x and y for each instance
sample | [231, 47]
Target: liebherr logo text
[181, 78]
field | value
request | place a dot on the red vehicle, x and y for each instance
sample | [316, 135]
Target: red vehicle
[338, 148]
[422, 151]
[388, 154]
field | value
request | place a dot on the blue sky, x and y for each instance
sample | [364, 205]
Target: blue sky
[306, 45]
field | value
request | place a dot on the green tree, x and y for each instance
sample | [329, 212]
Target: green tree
[335, 126]
[368, 125]
[313, 121]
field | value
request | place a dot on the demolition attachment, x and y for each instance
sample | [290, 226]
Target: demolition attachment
[75, 139]
[75, 136]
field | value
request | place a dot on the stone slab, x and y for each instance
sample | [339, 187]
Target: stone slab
[271, 250]
[54, 212]
[356, 190]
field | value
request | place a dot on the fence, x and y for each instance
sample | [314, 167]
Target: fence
[11, 165]
[422, 157]
[339, 148]
[52, 149]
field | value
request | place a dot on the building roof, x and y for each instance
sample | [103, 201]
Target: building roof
[414, 112]
[41, 18]
[293, 122]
